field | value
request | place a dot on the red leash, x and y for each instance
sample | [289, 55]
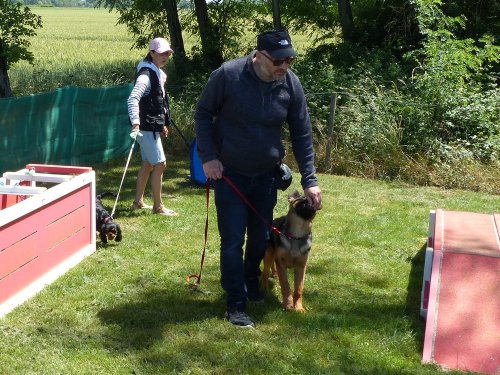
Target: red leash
[195, 279]
[235, 188]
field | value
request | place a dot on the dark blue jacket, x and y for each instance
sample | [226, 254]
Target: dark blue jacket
[239, 120]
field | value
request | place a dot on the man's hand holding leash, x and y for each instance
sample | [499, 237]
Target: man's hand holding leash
[213, 169]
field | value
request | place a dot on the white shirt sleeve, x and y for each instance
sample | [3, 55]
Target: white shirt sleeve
[141, 88]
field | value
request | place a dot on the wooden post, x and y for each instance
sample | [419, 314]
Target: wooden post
[276, 15]
[331, 122]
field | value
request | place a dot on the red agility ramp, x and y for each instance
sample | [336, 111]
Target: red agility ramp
[461, 292]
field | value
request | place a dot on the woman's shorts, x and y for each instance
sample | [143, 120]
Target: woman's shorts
[151, 148]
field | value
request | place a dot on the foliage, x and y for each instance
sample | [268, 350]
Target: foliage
[58, 3]
[454, 84]
[436, 110]
[144, 19]
[479, 17]
[387, 24]
[17, 25]
[232, 18]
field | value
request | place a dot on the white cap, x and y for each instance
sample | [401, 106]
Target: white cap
[160, 45]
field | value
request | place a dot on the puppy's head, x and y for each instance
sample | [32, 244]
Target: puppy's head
[301, 206]
[110, 232]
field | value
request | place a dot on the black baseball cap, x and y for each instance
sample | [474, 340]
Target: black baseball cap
[277, 43]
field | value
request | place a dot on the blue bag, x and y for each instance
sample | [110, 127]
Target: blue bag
[196, 166]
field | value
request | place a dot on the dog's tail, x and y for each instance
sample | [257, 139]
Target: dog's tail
[106, 194]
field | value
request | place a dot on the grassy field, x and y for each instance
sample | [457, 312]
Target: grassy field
[84, 47]
[76, 46]
[127, 309]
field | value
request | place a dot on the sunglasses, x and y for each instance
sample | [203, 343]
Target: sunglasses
[279, 62]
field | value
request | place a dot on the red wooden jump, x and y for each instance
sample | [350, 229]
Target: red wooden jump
[44, 231]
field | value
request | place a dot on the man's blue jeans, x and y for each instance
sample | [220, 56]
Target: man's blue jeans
[235, 218]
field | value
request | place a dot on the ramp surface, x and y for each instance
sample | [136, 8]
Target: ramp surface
[463, 313]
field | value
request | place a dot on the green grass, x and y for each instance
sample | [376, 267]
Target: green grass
[127, 308]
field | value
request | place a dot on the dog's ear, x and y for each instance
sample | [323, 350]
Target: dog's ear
[118, 233]
[293, 196]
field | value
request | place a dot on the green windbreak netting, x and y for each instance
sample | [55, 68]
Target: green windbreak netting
[71, 126]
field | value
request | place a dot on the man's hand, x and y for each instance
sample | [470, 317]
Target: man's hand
[313, 195]
[213, 169]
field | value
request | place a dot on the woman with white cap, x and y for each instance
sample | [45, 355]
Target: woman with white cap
[149, 115]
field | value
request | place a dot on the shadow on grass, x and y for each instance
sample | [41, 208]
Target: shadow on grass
[413, 296]
[143, 322]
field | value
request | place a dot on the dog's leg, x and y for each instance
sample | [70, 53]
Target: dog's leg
[285, 285]
[300, 272]
[268, 262]
[274, 272]
[102, 234]
[118, 233]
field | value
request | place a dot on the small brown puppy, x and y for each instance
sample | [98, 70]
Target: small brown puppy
[290, 249]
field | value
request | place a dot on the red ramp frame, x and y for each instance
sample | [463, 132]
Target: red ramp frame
[463, 312]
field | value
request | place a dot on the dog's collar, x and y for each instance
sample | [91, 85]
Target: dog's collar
[291, 237]
[106, 219]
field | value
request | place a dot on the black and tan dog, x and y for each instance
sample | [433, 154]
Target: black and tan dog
[107, 228]
[290, 249]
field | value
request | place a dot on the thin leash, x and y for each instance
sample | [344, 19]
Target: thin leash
[242, 196]
[195, 279]
[123, 177]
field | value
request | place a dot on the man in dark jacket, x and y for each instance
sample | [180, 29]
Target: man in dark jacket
[239, 120]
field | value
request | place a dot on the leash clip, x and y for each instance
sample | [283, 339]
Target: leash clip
[193, 280]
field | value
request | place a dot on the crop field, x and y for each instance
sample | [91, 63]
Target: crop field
[77, 46]
[86, 47]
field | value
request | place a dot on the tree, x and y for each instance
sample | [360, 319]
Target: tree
[146, 20]
[174, 29]
[209, 35]
[17, 23]
[346, 21]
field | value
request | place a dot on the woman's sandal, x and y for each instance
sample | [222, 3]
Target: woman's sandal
[140, 205]
[162, 210]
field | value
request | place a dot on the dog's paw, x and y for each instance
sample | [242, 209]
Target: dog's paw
[299, 309]
[288, 304]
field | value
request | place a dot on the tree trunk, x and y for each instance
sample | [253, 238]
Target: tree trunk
[174, 28]
[208, 34]
[276, 15]
[5, 90]
[346, 21]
